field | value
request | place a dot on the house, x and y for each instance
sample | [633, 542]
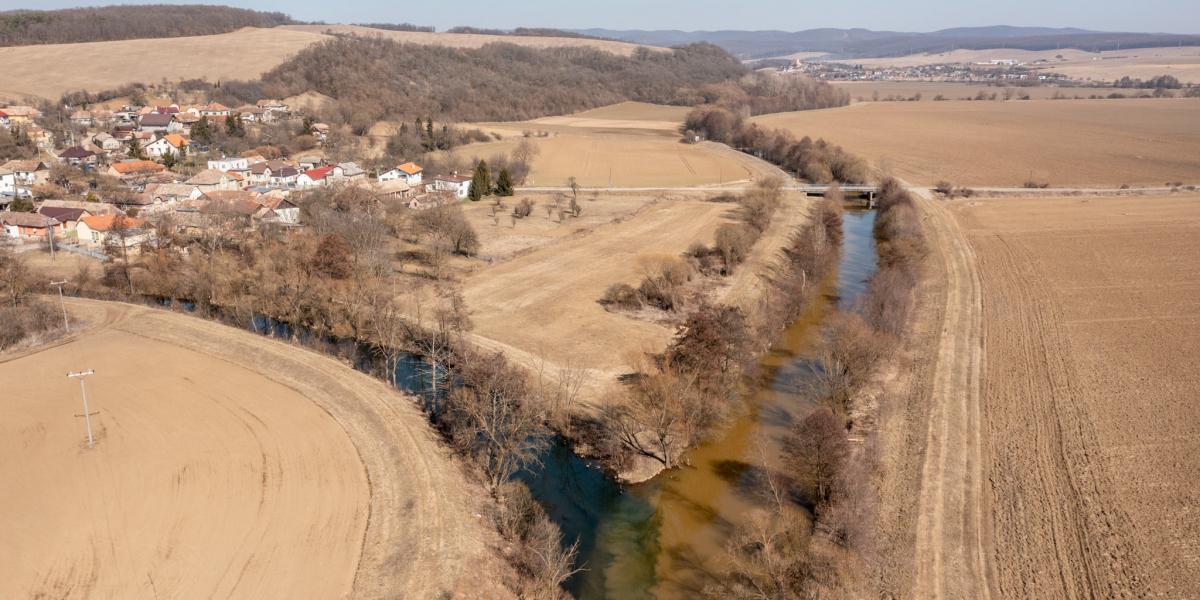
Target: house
[259, 173]
[315, 177]
[172, 143]
[254, 114]
[459, 185]
[350, 172]
[271, 105]
[17, 177]
[212, 180]
[4, 119]
[240, 206]
[133, 169]
[285, 177]
[28, 226]
[106, 142]
[102, 231]
[230, 163]
[408, 172]
[20, 115]
[82, 118]
[215, 109]
[394, 188]
[156, 122]
[286, 210]
[94, 208]
[77, 156]
[170, 193]
[69, 217]
[320, 131]
[310, 160]
[186, 120]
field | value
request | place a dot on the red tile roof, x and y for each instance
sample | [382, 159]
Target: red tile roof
[319, 173]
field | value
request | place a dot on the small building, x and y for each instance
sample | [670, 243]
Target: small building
[20, 115]
[394, 188]
[285, 210]
[459, 185]
[409, 172]
[285, 177]
[172, 143]
[82, 118]
[77, 156]
[102, 231]
[169, 194]
[309, 160]
[156, 122]
[28, 226]
[230, 163]
[315, 177]
[106, 142]
[68, 217]
[349, 172]
[212, 180]
[134, 169]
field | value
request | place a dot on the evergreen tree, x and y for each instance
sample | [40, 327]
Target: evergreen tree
[481, 183]
[306, 127]
[135, 148]
[504, 186]
[202, 131]
[21, 205]
[429, 128]
[234, 126]
[168, 160]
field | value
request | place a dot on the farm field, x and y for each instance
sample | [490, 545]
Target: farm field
[1086, 143]
[49, 70]
[226, 465]
[473, 40]
[864, 91]
[539, 302]
[1089, 320]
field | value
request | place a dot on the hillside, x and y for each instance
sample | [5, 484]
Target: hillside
[471, 40]
[50, 70]
[380, 79]
[74, 25]
[860, 43]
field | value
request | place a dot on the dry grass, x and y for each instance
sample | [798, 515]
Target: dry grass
[48, 71]
[471, 40]
[1090, 320]
[1060, 142]
[544, 303]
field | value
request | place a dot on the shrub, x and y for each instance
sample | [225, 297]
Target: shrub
[622, 295]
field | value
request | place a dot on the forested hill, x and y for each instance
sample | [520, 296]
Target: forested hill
[29, 27]
[374, 79]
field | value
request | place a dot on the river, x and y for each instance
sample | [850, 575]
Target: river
[658, 538]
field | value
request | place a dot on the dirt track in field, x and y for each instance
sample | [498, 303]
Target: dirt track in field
[227, 465]
[1059, 462]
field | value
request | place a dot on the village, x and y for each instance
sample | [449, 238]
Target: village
[119, 169]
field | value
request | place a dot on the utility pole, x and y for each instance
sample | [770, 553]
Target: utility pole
[87, 416]
[50, 236]
[63, 304]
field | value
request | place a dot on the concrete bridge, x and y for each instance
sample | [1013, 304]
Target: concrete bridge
[866, 192]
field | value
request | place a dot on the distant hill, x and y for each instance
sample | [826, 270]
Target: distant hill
[109, 23]
[864, 43]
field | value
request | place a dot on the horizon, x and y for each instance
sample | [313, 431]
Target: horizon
[1160, 16]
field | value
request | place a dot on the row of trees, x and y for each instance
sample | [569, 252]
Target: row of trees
[819, 161]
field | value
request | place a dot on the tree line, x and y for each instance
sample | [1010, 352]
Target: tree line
[817, 161]
[95, 24]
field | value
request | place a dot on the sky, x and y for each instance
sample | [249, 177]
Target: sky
[1167, 16]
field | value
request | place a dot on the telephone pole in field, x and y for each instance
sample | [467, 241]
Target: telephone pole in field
[87, 416]
[63, 304]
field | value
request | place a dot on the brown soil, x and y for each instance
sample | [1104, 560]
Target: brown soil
[226, 465]
[1059, 142]
[1051, 464]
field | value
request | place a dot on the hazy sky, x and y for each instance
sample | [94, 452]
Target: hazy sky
[1172, 16]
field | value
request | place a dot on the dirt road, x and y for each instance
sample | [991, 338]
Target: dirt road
[951, 536]
[228, 465]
